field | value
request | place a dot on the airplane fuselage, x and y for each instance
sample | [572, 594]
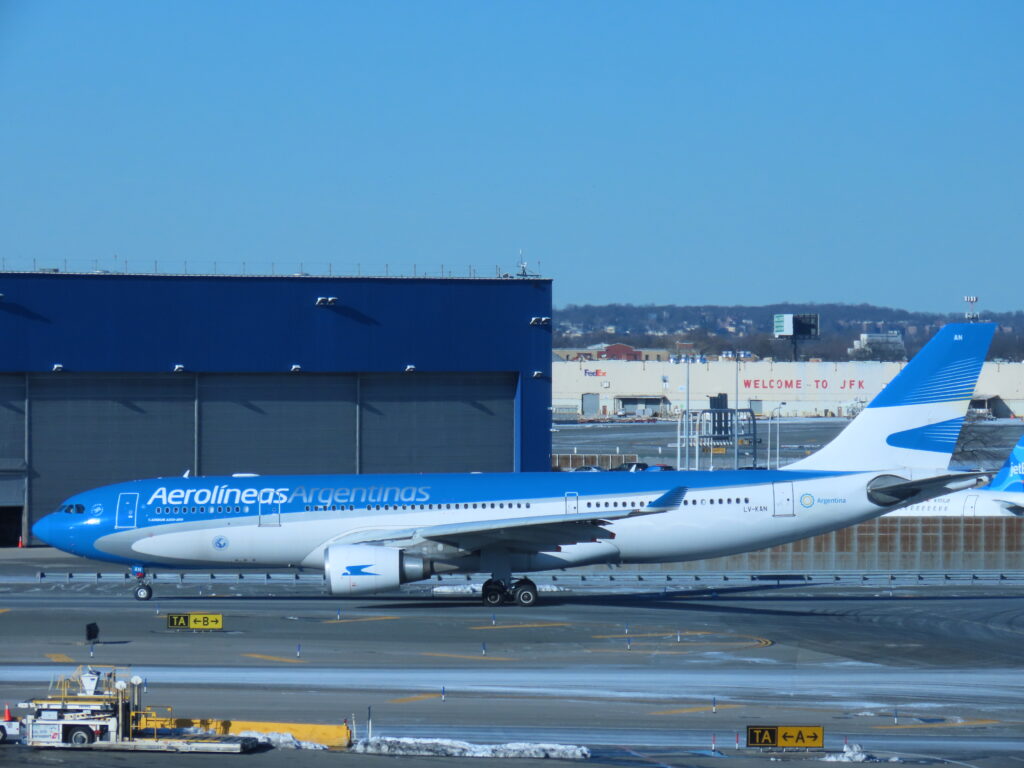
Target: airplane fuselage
[288, 521]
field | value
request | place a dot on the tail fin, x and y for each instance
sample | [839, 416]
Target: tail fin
[1010, 476]
[915, 421]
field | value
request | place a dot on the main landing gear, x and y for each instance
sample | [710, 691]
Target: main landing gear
[522, 592]
[142, 590]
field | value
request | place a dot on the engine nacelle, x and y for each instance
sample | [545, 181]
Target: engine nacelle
[361, 569]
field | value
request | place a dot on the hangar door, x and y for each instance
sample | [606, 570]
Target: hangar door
[12, 458]
[277, 424]
[92, 429]
[437, 422]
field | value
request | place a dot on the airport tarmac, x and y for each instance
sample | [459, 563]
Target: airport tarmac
[983, 444]
[926, 674]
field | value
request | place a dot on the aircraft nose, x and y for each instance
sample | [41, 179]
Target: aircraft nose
[45, 528]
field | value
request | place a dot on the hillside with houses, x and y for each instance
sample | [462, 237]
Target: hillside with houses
[847, 331]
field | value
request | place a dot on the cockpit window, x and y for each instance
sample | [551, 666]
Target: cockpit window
[74, 509]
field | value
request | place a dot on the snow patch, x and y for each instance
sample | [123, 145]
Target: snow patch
[452, 748]
[282, 740]
[852, 753]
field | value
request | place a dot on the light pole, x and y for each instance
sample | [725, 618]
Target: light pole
[679, 438]
[686, 430]
[778, 435]
[737, 355]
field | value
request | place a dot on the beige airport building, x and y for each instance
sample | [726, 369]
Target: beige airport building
[604, 388]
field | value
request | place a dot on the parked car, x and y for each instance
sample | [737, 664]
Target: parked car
[630, 466]
[588, 468]
[660, 468]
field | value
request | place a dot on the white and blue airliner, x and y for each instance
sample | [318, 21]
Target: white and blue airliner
[1003, 497]
[371, 533]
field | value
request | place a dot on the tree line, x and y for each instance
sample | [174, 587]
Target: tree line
[712, 329]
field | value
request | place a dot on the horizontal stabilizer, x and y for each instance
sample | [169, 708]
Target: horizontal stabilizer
[890, 490]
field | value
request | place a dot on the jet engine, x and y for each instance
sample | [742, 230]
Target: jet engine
[361, 569]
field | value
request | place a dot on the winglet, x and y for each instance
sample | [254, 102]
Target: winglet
[666, 502]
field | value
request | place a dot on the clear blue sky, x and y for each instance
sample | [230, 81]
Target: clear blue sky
[678, 152]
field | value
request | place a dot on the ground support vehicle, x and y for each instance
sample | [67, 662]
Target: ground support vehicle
[95, 708]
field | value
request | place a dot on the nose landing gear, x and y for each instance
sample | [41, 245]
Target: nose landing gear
[142, 590]
[522, 592]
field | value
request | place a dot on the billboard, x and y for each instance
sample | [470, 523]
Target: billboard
[796, 326]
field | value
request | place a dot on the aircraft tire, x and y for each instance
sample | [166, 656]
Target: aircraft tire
[80, 735]
[526, 594]
[143, 592]
[493, 596]
[3, 735]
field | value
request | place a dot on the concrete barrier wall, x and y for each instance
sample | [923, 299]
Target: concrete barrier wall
[889, 544]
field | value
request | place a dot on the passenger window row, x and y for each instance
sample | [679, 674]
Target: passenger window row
[200, 510]
[478, 505]
[694, 502]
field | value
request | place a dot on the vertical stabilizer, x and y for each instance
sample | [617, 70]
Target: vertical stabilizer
[915, 421]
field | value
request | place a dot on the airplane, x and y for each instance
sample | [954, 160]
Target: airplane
[372, 533]
[1003, 497]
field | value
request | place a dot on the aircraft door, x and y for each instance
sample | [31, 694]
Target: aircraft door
[270, 513]
[572, 503]
[127, 510]
[783, 500]
[970, 504]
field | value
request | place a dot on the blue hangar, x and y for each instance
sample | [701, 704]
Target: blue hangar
[111, 377]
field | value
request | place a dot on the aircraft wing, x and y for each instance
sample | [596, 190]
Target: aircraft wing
[530, 534]
[889, 490]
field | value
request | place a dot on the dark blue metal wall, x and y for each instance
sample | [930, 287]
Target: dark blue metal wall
[212, 324]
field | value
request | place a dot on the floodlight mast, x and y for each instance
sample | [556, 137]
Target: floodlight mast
[970, 315]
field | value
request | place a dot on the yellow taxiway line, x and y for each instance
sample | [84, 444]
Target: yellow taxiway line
[283, 659]
[61, 658]
[410, 699]
[481, 657]
[937, 725]
[522, 626]
[361, 618]
[694, 710]
[4, 610]
[639, 651]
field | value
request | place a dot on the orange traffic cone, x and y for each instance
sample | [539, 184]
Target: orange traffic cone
[7, 714]
[21, 544]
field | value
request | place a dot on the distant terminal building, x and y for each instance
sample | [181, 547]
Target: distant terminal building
[889, 344]
[113, 377]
